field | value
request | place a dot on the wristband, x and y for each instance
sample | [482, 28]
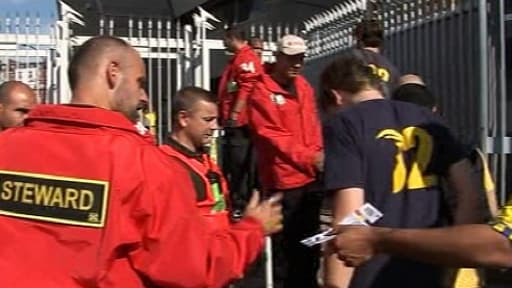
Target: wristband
[503, 229]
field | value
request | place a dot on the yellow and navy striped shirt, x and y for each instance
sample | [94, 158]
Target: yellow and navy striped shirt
[503, 222]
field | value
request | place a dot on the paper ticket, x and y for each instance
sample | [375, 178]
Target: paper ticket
[364, 215]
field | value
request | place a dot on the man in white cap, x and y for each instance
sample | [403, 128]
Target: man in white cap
[287, 137]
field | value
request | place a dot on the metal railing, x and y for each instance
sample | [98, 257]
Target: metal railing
[457, 46]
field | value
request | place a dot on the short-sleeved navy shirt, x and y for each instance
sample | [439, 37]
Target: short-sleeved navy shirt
[395, 151]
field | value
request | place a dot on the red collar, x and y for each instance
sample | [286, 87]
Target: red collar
[243, 50]
[79, 115]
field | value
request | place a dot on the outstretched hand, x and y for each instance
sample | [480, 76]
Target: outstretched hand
[356, 244]
[268, 212]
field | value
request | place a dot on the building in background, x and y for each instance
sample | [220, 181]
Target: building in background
[33, 73]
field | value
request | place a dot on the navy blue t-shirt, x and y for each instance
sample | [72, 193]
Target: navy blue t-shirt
[396, 152]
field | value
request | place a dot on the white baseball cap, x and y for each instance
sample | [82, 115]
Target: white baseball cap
[291, 45]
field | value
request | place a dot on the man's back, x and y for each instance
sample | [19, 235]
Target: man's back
[95, 205]
[395, 152]
[53, 184]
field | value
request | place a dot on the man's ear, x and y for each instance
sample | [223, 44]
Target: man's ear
[113, 74]
[337, 97]
[183, 118]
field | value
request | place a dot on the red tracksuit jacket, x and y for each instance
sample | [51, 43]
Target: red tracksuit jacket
[237, 82]
[85, 201]
[213, 207]
[287, 133]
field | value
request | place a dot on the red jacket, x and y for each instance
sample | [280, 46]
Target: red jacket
[237, 82]
[87, 202]
[287, 133]
[212, 204]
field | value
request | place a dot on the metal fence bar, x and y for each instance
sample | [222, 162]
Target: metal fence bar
[483, 79]
[38, 62]
[150, 68]
[502, 75]
[169, 79]
[160, 114]
[179, 67]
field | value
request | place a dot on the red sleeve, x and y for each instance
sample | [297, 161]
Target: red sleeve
[248, 70]
[177, 249]
[264, 120]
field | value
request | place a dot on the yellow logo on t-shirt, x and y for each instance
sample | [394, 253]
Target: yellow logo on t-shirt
[407, 140]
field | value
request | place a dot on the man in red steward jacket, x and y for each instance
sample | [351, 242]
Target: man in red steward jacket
[288, 141]
[237, 82]
[100, 206]
[194, 118]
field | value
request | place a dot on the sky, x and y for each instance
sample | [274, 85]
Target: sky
[46, 9]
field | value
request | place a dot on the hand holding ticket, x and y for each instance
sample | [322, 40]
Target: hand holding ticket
[364, 215]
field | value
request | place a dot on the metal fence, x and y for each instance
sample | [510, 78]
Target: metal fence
[175, 55]
[27, 53]
[457, 46]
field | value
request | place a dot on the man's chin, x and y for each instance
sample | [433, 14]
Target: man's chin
[207, 140]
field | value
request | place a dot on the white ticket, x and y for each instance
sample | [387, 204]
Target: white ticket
[364, 215]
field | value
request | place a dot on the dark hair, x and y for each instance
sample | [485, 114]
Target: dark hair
[415, 93]
[370, 33]
[347, 73]
[187, 97]
[89, 51]
[234, 32]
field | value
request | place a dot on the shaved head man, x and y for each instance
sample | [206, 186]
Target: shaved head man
[125, 210]
[108, 73]
[16, 100]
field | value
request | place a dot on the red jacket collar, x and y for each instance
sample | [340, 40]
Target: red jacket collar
[241, 51]
[79, 115]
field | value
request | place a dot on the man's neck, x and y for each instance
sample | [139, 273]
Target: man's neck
[240, 46]
[183, 140]
[282, 80]
[373, 49]
[90, 97]
[367, 94]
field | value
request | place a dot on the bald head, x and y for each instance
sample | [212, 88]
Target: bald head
[411, 79]
[16, 101]
[87, 57]
[412, 89]
[107, 72]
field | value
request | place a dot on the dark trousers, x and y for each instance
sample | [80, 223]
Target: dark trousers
[296, 265]
[239, 165]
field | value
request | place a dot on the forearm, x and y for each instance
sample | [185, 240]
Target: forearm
[246, 89]
[468, 208]
[286, 145]
[336, 274]
[466, 245]
[238, 106]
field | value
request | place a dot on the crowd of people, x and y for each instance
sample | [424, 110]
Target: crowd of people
[101, 204]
